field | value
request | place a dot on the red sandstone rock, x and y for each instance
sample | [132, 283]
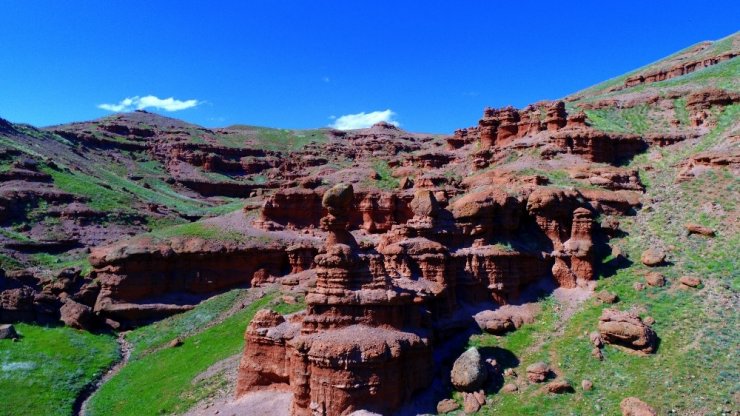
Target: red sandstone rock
[606, 297]
[708, 160]
[632, 406]
[655, 279]
[652, 257]
[538, 372]
[559, 387]
[470, 403]
[447, 406]
[699, 229]
[626, 329]
[690, 281]
[510, 388]
[76, 315]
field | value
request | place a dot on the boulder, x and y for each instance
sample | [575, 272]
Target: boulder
[700, 229]
[424, 204]
[76, 315]
[469, 371]
[510, 388]
[538, 372]
[338, 199]
[638, 286]
[587, 385]
[626, 329]
[447, 406]
[470, 403]
[655, 279]
[652, 257]
[7, 331]
[595, 338]
[559, 387]
[606, 297]
[690, 281]
[632, 406]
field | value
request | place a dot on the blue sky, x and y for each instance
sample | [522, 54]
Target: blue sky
[431, 66]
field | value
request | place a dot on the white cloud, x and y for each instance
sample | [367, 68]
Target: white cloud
[150, 101]
[363, 120]
[326, 79]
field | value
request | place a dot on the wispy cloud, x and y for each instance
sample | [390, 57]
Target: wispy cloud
[363, 120]
[149, 101]
[326, 79]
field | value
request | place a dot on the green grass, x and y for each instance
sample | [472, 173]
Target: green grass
[149, 338]
[9, 263]
[43, 373]
[387, 181]
[681, 113]
[164, 381]
[13, 235]
[56, 262]
[283, 140]
[200, 230]
[620, 120]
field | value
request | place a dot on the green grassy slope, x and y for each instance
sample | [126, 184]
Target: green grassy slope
[43, 373]
[717, 47]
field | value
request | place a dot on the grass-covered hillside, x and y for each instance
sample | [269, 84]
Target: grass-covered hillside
[695, 370]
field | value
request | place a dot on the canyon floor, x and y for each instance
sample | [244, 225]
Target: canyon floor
[139, 252]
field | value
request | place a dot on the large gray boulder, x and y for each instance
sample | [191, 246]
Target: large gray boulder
[7, 331]
[469, 371]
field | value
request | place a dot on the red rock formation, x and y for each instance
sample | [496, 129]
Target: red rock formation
[700, 102]
[613, 178]
[677, 70]
[374, 211]
[702, 162]
[352, 352]
[556, 117]
[597, 146]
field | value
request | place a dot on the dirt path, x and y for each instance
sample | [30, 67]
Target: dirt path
[80, 407]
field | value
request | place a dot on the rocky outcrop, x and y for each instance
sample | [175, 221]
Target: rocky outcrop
[612, 178]
[707, 161]
[676, 70]
[700, 103]
[374, 211]
[626, 329]
[597, 146]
